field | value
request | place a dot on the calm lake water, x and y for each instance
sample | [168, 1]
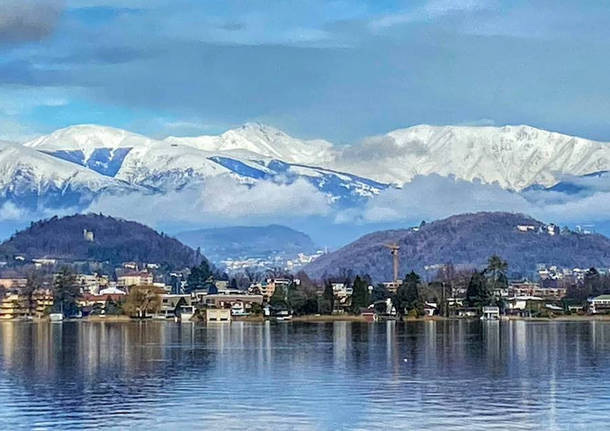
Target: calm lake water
[423, 375]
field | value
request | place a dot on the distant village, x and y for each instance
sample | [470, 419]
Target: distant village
[56, 290]
[289, 263]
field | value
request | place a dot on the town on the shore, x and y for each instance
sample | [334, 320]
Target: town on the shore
[55, 290]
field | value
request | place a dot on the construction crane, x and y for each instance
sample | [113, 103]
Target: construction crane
[394, 248]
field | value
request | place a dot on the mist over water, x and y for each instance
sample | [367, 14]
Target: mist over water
[420, 375]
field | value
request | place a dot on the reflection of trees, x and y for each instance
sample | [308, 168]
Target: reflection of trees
[330, 375]
[57, 363]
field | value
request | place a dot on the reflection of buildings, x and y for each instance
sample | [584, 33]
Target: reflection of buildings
[341, 342]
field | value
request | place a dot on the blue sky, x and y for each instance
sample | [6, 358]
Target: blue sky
[340, 70]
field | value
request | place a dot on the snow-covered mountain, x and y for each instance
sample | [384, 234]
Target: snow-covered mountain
[515, 157]
[79, 163]
[247, 155]
[33, 179]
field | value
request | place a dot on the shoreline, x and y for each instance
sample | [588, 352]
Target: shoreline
[313, 318]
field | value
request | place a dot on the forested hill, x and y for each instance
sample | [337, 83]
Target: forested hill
[114, 240]
[469, 240]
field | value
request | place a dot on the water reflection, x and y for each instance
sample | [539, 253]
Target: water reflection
[417, 375]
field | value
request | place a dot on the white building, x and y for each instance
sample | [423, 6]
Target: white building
[600, 304]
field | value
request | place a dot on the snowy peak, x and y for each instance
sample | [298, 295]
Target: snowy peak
[264, 141]
[87, 138]
[102, 149]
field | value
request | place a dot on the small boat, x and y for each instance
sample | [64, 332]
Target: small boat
[282, 316]
[56, 317]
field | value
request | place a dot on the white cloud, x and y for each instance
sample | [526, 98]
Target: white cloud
[219, 200]
[434, 197]
[18, 100]
[433, 9]
[10, 212]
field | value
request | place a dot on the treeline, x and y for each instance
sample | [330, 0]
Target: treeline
[482, 288]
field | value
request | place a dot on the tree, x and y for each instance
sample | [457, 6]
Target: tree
[233, 283]
[477, 294]
[65, 292]
[200, 277]
[360, 294]
[279, 298]
[143, 300]
[303, 299]
[412, 296]
[407, 297]
[111, 307]
[592, 282]
[496, 268]
[328, 298]
[379, 293]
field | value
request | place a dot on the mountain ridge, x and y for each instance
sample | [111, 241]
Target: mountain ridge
[515, 157]
[97, 161]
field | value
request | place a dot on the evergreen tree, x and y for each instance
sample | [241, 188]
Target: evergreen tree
[65, 292]
[359, 294]
[593, 282]
[303, 299]
[380, 293]
[477, 294]
[328, 297]
[407, 297]
[412, 290]
[200, 277]
[279, 299]
[496, 268]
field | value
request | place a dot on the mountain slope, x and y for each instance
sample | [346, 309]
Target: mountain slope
[115, 240]
[467, 239]
[513, 156]
[248, 241]
[265, 141]
[33, 179]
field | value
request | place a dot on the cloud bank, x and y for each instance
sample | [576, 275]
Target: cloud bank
[220, 200]
[28, 20]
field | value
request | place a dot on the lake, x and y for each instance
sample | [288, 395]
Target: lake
[305, 376]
